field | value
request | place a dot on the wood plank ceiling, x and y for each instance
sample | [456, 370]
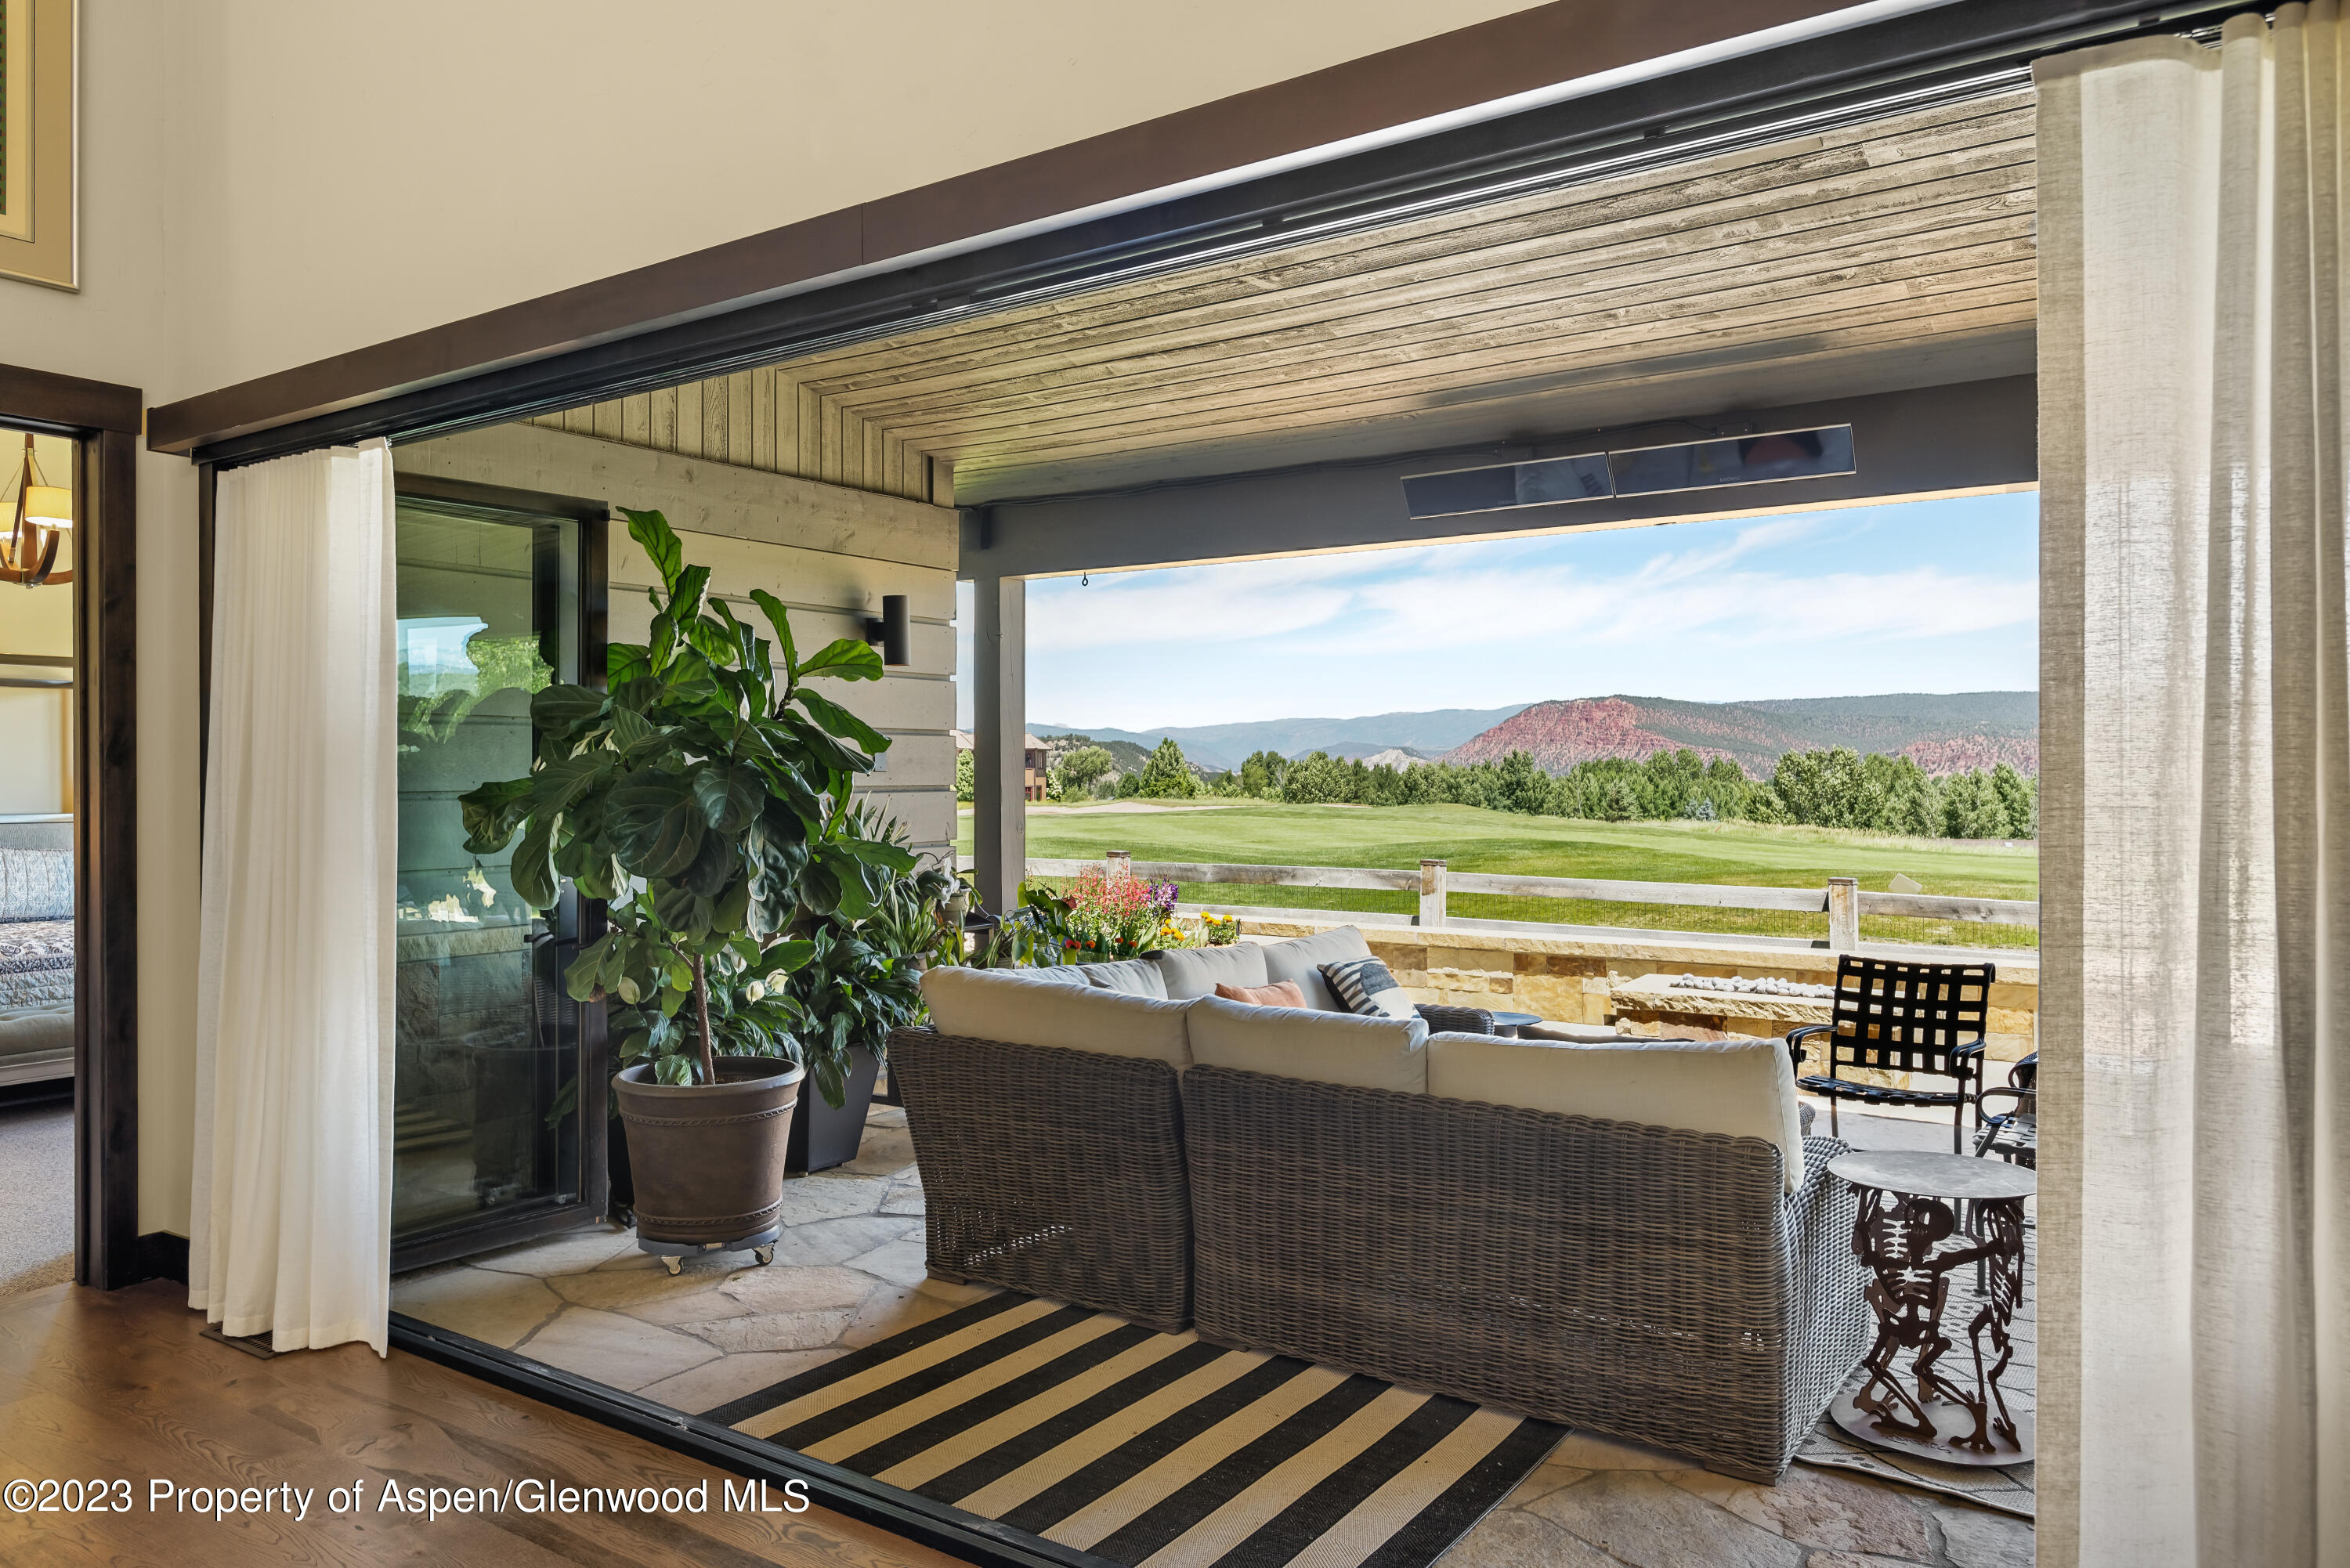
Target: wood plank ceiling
[1899, 253]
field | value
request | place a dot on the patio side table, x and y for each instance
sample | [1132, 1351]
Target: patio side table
[1922, 1217]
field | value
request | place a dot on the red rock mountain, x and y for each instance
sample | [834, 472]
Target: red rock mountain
[1945, 732]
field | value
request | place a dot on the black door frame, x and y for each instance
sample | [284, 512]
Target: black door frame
[593, 518]
[103, 421]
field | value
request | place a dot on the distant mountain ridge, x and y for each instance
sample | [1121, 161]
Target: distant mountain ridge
[1229, 745]
[1945, 732]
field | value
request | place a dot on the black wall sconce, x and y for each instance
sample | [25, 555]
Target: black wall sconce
[894, 631]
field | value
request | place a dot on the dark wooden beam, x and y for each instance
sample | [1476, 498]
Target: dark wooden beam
[1973, 435]
[1453, 71]
[68, 401]
[107, 1251]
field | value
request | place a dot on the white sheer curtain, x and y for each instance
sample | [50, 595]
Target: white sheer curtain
[2194, 1369]
[292, 1208]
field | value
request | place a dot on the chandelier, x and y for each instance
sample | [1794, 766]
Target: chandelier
[42, 515]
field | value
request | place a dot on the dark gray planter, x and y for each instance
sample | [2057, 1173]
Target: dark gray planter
[822, 1137]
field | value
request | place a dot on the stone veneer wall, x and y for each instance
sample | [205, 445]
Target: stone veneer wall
[1574, 979]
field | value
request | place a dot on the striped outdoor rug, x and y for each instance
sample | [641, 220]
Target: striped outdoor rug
[1152, 1448]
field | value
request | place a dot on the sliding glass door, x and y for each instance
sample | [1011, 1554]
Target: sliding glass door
[498, 1105]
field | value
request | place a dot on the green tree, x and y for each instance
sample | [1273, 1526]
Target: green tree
[1725, 788]
[1901, 796]
[1261, 775]
[2018, 800]
[1675, 779]
[1316, 779]
[1971, 808]
[966, 777]
[1521, 784]
[1128, 786]
[1764, 805]
[1166, 776]
[1081, 767]
[1621, 803]
[1826, 789]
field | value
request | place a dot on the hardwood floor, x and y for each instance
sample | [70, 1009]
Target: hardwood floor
[124, 1385]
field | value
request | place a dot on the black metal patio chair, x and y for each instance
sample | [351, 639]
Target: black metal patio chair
[1918, 1019]
[2013, 1134]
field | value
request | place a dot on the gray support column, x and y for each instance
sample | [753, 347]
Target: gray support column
[1000, 689]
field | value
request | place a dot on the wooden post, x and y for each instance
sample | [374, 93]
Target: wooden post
[1000, 717]
[1431, 893]
[1117, 863]
[1843, 914]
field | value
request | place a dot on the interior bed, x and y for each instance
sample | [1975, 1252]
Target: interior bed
[37, 951]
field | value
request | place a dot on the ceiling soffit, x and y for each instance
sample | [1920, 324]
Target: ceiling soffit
[1897, 252]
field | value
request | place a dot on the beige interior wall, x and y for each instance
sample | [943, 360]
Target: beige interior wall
[379, 170]
[265, 183]
[828, 553]
[120, 327]
[35, 749]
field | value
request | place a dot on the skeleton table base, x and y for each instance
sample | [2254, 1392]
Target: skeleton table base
[1922, 1218]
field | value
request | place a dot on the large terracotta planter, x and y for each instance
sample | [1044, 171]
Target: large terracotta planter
[708, 1160]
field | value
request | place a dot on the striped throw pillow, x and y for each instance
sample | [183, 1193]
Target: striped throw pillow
[1366, 987]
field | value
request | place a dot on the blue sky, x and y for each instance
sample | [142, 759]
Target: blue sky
[1926, 596]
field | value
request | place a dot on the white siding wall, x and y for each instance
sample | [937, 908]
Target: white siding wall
[828, 553]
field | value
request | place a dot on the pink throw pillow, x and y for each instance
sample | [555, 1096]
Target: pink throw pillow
[1280, 993]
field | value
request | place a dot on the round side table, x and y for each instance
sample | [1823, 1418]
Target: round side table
[1507, 1024]
[1923, 1217]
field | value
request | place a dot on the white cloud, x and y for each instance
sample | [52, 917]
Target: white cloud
[1896, 598]
[1430, 596]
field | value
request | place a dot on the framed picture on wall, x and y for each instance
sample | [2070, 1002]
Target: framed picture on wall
[40, 240]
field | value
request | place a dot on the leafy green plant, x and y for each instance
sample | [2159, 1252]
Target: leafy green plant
[910, 919]
[863, 975]
[704, 797]
[1034, 933]
[852, 990]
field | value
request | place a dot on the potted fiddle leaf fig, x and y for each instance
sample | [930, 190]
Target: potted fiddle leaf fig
[705, 798]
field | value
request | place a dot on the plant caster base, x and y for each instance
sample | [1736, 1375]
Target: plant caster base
[673, 1254]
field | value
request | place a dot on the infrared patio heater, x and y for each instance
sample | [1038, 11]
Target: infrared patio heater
[1757, 458]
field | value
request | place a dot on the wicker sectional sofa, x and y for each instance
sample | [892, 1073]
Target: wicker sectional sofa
[1633, 1238]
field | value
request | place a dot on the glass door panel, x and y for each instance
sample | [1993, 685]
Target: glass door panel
[486, 1134]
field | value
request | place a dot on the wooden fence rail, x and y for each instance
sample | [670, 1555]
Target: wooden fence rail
[1841, 901]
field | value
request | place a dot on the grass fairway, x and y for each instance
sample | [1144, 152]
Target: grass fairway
[1471, 839]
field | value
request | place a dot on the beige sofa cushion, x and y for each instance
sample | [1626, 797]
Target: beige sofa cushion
[1129, 977]
[1299, 1042]
[1008, 1006]
[1301, 959]
[1744, 1088]
[1194, 972]
[1056, 974]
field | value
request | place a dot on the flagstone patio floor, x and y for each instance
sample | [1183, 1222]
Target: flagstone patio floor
[848, 1271]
